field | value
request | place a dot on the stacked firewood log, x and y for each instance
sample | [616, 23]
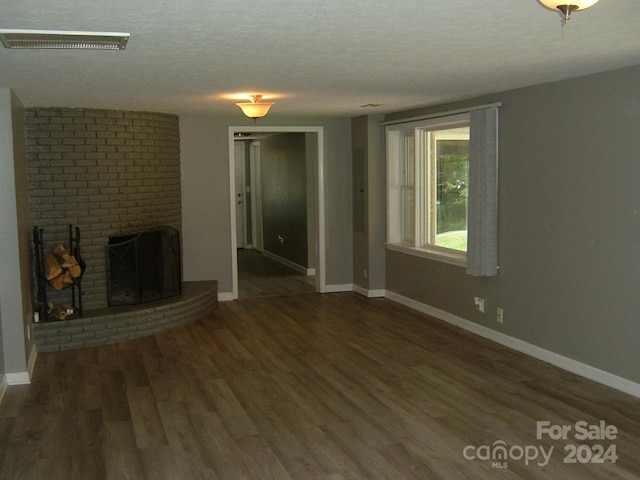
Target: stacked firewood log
[60, 312]
[60, 267]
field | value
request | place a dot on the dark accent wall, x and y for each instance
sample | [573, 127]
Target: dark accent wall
[109, 172]
[284, 196]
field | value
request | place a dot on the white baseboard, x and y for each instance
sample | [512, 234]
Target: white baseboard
[568, 364]
[288, 263]
[369, 293]
[18, 378]
[225, 296]
[346, 287]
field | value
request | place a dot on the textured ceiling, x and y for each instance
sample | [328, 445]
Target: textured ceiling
[324, 57]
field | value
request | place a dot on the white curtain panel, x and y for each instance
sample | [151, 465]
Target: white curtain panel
[482, 248]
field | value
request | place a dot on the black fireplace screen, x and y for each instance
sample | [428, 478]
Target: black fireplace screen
[144, 267]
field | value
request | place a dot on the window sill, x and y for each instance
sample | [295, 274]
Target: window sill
[446, 256]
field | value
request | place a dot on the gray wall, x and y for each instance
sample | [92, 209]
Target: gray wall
[284, 196]
[15, 300]
[368, 256]
[205, 195]
[206, 235]
[359, 139]
[311, 143]
[376, 204]
[569, 224]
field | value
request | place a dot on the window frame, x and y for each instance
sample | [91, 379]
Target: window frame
[424, 192]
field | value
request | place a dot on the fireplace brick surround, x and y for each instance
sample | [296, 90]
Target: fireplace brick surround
[109, 172]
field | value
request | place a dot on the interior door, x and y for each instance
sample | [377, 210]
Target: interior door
[239, 155]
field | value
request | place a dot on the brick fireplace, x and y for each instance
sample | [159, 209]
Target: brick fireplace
[110, 172]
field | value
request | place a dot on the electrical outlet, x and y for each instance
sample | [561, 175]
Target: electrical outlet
[365, 273]
[500, 315]
[281, 239]
[478, 304]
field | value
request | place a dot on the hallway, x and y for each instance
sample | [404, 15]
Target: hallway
[260, 276]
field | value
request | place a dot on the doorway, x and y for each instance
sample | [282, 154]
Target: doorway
[315, 185]
[248, 196]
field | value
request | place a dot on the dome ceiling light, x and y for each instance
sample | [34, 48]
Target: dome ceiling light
[255, 109]
[567, 7]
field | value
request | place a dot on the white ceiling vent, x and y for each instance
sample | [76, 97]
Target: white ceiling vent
[50, 39]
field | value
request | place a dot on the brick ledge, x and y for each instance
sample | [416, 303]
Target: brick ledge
[117, 324]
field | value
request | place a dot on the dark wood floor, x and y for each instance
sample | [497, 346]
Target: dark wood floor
[311, 386]
[261, 276]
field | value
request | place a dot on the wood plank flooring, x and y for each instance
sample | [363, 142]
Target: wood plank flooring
[330, 387]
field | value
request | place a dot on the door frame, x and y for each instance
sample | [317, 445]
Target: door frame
[320, 257]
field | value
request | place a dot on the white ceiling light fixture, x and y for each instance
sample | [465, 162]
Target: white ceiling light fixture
[567, 7]
[59, 39]
[255, 109]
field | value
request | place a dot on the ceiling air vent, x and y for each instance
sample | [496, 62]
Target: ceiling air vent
[53, 39]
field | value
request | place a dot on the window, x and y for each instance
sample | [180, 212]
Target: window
[431, 205]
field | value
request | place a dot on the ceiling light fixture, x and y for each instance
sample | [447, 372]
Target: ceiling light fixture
[567, 7]
[53, 39]
[255, 109]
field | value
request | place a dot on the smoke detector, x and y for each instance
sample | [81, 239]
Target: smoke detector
[55, 39]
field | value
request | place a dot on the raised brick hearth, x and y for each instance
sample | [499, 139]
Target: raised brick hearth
[124, 323]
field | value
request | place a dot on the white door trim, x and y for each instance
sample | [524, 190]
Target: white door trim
[321, 282]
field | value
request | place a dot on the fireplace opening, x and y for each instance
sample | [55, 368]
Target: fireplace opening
[144, 267]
